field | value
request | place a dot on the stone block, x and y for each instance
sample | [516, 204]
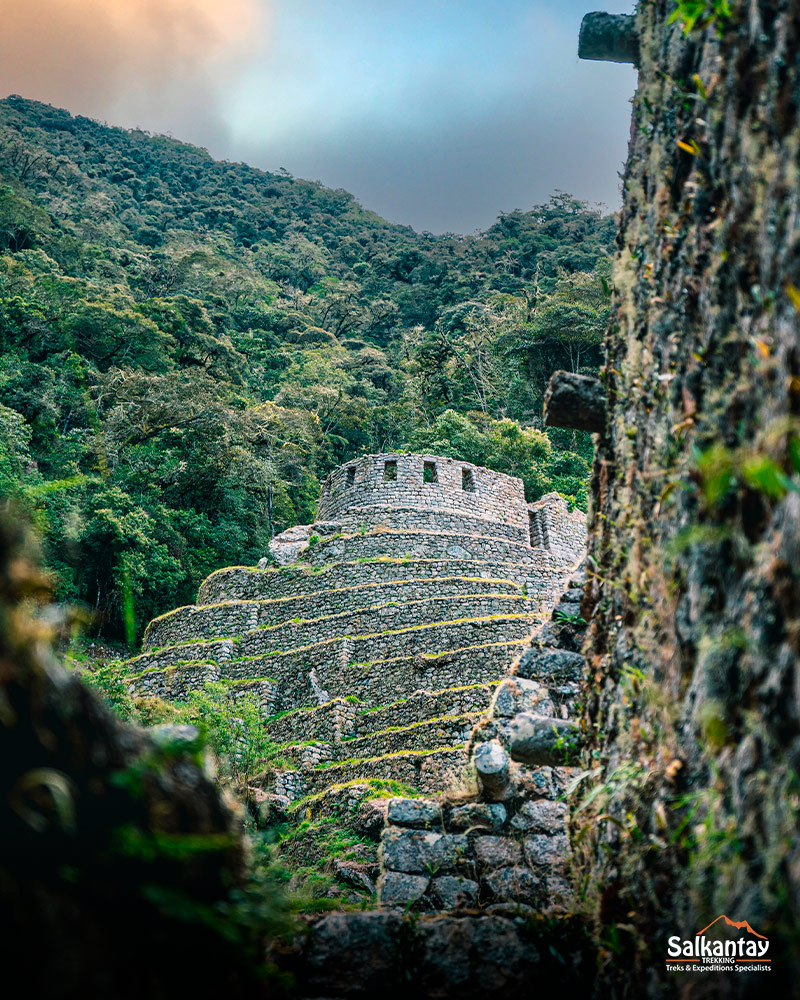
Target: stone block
[498, 852]
[400, 889]
[551, 665]
[451, 892]
[517, 694]
[420, 851]
[489, 816]
[540, 816]
[512, 885]
[535, 739]
[414, 812]
[492, 767]
[547, 849]
[558, 892]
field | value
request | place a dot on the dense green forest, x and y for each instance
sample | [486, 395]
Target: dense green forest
[188, 346]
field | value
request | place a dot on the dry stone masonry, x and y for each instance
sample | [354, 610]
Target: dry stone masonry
[506, 849]
[378, 641]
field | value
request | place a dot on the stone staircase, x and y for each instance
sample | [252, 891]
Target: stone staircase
[506, 850]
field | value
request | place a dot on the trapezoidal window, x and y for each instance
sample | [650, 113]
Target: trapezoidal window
[351, 475]
[429, 472]
[390, 471]
[467, 481]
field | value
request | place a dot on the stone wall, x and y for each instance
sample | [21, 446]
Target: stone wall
[232, 617]
[506, 848]
[422, 543]
[458, 488]
[554, 527]
[693, 656]
[541, 578]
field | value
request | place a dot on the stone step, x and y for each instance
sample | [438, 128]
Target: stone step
[283, 681]
[379, 682]
[176, 683]
[327, 723]
[236, 616]
[425, 705]
[394, 616]
[360, 803]
[250, 583]
[429, 636]
[217, 650]
[420, 544]
[369, 517]
[342, 718]
[429, 771]
[444, 731]
[449, 731]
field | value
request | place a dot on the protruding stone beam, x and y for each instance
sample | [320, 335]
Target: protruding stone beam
[540, 739]
[609, 38]
[492, 767]
[576, 402]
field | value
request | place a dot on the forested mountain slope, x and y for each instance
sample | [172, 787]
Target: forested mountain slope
[188, 346]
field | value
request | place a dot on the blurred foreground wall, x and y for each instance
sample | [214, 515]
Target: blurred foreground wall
[693, 703]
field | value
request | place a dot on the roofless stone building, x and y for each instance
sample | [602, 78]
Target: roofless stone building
[376, 637]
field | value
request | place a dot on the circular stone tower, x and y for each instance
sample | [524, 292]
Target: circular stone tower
[376, 636]
[423, 492]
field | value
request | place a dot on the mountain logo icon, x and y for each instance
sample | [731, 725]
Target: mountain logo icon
[737, 924]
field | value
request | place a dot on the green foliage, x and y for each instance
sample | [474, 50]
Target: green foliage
[567, 618]
[700, 14]
[108, 680]
[187, 347]
[723, 471]
[234, 728]
[230, 722]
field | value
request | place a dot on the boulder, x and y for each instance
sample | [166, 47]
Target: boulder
[287, 547]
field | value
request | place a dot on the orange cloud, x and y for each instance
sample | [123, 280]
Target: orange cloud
[124, 57]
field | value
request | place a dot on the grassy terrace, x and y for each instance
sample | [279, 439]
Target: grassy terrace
[306, 570]
[182, 664]
[394, 604]
[430, 694]
[397, 755]
[504, 644]
[448, 537]
[181, 645]
[377, 788]
[417, 726]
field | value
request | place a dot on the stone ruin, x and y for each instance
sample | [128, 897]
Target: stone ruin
[391, 640]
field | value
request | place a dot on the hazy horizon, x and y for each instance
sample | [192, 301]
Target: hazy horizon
[432, 120]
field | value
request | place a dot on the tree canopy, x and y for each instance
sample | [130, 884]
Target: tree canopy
[189, 345]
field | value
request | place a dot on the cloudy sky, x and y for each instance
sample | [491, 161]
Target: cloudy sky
[435, 113]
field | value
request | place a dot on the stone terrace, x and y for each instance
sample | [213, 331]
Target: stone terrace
[375, 638]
